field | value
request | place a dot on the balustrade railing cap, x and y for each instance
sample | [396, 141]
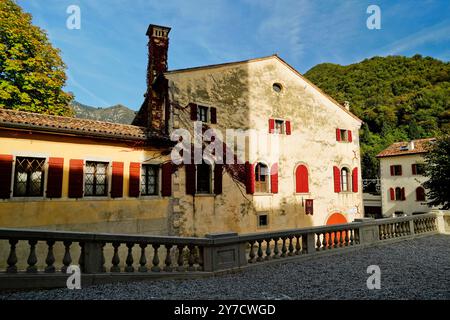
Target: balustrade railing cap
[363, 219]
[219, 235]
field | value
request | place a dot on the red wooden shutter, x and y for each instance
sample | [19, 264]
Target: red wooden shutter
[134, 181]
[218, 178]
[301, 179]
[76, 178]
[355, 180]
[55, 177]
[190, 178]
[400, 171]
[117, 180]
[392, 170]
[337, 179]
[420, 194]
[274, 178]
[338, 135]
[271, 125]
[6, 166]
[414, 169]
[392, 193]
[166, 179]
[213, 115]
[250, 177]
[403, 194]
[193, 107]
[349, 135]
[288, 127]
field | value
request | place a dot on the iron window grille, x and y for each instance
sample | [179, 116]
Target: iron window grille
[29, 177]
[96, 182]
[149, 179]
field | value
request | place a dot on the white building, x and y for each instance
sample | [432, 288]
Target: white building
[401, 172]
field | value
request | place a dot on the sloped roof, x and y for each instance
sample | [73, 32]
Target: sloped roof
[42, 122]
[401, 148]
[274, 56]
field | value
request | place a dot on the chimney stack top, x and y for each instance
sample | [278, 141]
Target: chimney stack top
[158, 31]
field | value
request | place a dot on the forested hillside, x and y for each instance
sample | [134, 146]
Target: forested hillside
[398, 98]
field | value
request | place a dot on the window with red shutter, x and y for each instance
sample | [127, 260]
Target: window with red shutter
[6, 166]
[414, 168]
[403, 194]
[288, 127]
[337, 179]
[193, 109]
[420, 194]
[76, 178]
[349, 136]
[392, 193]
[355, 180]
[250, 177]
[213, 112]
[301, 179]
[271, 125]
[218, 178]
[274, 178]
[55, 177]
[190, 178]
[134, 179]
[117, 180]
[166, 179]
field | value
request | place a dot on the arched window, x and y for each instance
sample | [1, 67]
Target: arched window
[345, 180]
[261, 177]
[420, 194]
[398, 193]
[301, 179]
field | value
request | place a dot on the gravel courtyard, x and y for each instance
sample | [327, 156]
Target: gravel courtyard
[414, 269]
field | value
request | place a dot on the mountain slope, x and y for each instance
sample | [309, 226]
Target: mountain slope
[117, 113]
[398, 98]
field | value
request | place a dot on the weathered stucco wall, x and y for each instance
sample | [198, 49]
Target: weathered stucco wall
[407, 180]
[244, 98]
[96, 214]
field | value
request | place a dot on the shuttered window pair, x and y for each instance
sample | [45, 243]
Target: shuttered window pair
[396, 170]
[397, 194]
[199, 178]
[343, 135]
[277, 126]
[342, 179]
[258, 177]
[203, 113]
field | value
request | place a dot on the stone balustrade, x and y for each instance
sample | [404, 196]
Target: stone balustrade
[111, 257]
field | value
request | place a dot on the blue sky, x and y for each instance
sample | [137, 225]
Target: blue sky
[107, 57]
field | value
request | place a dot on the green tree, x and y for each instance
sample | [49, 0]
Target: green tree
[32, 74]
[438, 172]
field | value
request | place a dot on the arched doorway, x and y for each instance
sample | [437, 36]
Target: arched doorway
[335, 218]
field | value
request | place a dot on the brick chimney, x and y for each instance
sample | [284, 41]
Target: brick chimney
[154, 111]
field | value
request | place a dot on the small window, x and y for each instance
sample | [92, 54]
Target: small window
[396, 170]
[149, 179]
[418, 169]
[277, 87]
[203, 173]
[420, 194]
[202, 114]
[96, 182]
[263, 220]
[345, 180]
[261, 178]
[279, 126]
[29, 177]
[344, 135]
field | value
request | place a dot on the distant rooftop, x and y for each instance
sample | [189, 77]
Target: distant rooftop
[407, 148]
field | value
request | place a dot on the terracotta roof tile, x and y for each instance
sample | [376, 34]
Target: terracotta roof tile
[401, 148]
[34, 121]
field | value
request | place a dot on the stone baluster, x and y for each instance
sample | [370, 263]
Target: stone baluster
[298, 248]
[260, 251]
[191, 259]
[155, 260]
[180, 260]
[352, 237]
[268, 251]
[129, 261]
[67, 259]
[344, 235]
[143, 258]
[115, 259]
[336, 240]
[32, 259]
[81, 258]
[318, 243]
[102, 249]
[252, 254]
[356, 236]
[283, 247]
[199, 258]
[304, 243]
[325, 241]
[291, 246]
[12, 257]
[276, 252]
[168, 260]
[50, 260]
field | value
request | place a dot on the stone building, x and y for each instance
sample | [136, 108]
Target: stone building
[292, 158]
[401, 176]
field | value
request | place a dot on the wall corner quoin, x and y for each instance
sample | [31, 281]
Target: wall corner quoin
[229, 255]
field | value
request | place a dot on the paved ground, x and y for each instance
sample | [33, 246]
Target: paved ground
[415, 269]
